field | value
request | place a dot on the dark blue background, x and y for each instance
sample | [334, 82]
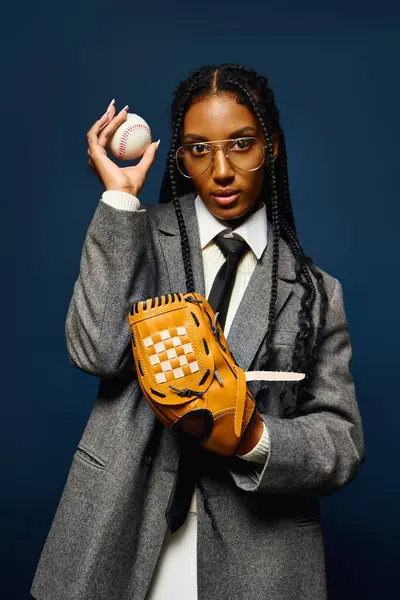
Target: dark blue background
[335, 72]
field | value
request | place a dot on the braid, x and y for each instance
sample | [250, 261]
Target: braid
[181, 223]
[253, 90]
[287, 206]
[309, 296]
[323, 309]
[301, 358]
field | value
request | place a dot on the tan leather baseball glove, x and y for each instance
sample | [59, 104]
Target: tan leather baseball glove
[185, 369]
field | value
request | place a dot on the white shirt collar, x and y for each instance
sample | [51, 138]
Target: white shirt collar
[254, 230]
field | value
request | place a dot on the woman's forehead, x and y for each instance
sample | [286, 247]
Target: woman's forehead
[218, 117]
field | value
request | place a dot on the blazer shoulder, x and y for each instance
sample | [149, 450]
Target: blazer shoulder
[330, 282]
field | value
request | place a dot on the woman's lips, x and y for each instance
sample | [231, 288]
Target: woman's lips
[225, 200]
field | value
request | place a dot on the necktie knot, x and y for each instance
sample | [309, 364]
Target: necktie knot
[231, 245]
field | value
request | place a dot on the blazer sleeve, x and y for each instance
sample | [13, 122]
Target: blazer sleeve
[321, 450]
[117, 268]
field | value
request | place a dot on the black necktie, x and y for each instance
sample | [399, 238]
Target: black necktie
[221, 291]
[189, 459]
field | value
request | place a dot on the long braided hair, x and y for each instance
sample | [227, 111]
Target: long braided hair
[253, 91]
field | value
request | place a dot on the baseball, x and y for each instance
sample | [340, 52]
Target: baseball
[131, 139]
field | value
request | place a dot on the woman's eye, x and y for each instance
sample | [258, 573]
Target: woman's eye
[199, 149]
[242, 144]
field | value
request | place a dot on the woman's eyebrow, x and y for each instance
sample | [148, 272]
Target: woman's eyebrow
[194, 136]
[243, 130]
[235, 134]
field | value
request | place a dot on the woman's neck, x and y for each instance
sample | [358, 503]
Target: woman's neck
[234, 223]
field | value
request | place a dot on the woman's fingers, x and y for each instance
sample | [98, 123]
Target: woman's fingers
[94, 133]
[99, 133]
[148, 158]
[109, 128]
[110, 112]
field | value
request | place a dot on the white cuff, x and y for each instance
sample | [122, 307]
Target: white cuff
[260, 452]
[121, 200]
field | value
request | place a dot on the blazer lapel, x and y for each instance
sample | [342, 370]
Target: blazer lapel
[172, 249]
[250, 323]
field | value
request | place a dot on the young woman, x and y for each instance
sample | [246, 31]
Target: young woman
[253, 528]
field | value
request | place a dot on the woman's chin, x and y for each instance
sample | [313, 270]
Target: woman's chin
[231, 211]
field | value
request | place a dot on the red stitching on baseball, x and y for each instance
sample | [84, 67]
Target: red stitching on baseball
[125, 136]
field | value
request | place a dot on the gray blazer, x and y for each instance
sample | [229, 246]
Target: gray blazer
[110, 523]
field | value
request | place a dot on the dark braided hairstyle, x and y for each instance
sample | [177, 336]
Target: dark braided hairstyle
[253, 91]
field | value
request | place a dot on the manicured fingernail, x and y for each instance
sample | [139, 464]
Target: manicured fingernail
[125, 108]
[109, 108]
[158, 143]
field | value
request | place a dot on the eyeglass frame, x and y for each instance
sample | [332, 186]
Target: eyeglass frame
[221, 145]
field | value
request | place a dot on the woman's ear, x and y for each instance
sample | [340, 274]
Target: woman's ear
[275, 143]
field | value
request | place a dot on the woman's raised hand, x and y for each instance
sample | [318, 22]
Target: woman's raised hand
[125, 179]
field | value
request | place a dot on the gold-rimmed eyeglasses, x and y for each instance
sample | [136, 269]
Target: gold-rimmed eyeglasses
[244, 153]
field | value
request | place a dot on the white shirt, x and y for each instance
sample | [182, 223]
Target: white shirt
[253, 231]
[178, 557]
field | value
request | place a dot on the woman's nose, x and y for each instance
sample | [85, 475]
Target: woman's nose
[222, 169]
